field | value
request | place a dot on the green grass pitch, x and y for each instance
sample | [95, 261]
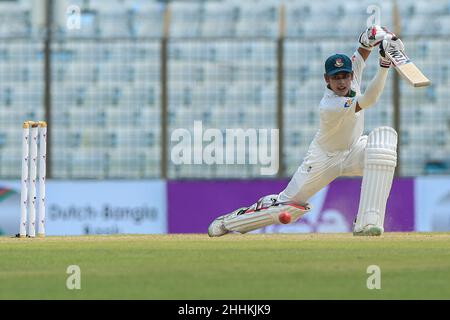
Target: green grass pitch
[252, 266]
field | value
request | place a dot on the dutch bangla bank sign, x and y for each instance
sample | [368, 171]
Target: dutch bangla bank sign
[106, 207]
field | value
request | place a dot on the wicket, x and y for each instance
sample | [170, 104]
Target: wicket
[32, 130]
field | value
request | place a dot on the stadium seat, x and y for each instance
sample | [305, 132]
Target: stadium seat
[67, 95]
[67, 138]
[352, 23]
[115, 118]
[269, 95]
[4, 139]
[86, 163]
[444, 24]
[63, 135]
[256, 18]
[151, 120]
[149, 52]
[89, 27]
[420, 24]
[294, 138]
[87, 51]
[148, 96]
[105, 95]
[6, 96]
[442, 94]
[291, 96]
[185, 18]
[406, 8]
[27, 97]
[423, 7]
[116, 73]
[218, 20]
[411, 166]
[87, 117]
[131, 138]
[320, 25]
[81, 72]
[9, 158]
[61, 162]
[148, 25]
[16, 22]
[115, 24]
[296, 14]
[319, 9]
[352, 9]
[95, 137]
[180, 95]
[126, 163]
[146, 72]
[185, 72]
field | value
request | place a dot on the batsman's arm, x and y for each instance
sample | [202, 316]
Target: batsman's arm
[372, 37]
[368, 39]
[373, 91]
[364, 53]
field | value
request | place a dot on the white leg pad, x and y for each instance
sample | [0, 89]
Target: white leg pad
[253, 220]
[379, 167]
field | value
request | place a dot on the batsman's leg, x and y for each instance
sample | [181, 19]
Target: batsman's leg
[379, 165]
[276, 214]
[263, 213]
[317, 170]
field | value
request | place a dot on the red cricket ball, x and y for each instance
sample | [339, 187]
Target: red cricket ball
[284, 217]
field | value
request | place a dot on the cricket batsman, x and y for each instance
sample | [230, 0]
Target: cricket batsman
[338, 148]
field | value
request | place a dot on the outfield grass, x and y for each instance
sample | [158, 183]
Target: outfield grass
[253, 266]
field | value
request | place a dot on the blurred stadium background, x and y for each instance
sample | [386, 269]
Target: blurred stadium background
[115, 88]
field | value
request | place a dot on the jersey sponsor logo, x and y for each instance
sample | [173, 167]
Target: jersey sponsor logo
[338, 63]
[348, 103]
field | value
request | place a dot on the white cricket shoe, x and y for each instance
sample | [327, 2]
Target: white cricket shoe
[217, 228]
[369, 230]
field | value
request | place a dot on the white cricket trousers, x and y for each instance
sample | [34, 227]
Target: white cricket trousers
[320, 168]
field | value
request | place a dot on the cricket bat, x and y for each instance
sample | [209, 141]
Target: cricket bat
[407, 69]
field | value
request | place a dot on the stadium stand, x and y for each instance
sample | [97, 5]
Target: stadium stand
[222, 70]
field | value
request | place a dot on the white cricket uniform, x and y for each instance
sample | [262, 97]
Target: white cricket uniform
[338, 147]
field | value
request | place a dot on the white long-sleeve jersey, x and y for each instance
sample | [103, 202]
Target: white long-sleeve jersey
[340, 127]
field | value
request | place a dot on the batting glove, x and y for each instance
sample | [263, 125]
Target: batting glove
[384, 61]
[372, 36]
[391, 42]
